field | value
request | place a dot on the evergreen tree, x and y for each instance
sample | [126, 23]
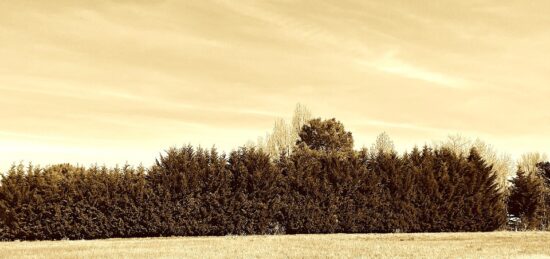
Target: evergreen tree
[544, 173]
[323, 186]
[308, 194]
[488, 199]
[257, 189]
[526, 199]
[395, 187]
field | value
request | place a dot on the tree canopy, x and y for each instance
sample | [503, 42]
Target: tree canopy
[325, 135]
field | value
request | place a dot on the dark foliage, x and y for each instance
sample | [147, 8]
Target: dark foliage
[325, 135]
[324, 186]
[530, 198]
[63, 201]
[436, 190]
[526, 199]
[544, 173]
[328, 192]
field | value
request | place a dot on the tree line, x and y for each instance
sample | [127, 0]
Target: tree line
[319, 185]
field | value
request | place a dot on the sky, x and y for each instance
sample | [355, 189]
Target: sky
[114, 82]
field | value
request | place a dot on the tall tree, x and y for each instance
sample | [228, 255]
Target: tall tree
[282, 139]
[325, 135]
[257, 188]
[501, 162]
[529, 161]
[396, 190]
[526, 199]
[301, 116]
[489, 208]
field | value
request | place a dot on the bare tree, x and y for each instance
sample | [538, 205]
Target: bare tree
[301, 116]
[284, 135]
[279, 141]
[528, 162]
[383, 144]
[457, 143]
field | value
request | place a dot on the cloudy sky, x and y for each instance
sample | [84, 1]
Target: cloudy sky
[120, 81]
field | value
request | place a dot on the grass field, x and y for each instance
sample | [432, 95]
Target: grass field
[442, 245]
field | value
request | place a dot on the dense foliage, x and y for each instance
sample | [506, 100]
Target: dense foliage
[529, 199]
[326, 135]
[323, 186]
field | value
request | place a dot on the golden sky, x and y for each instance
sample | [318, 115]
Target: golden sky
[117, 81]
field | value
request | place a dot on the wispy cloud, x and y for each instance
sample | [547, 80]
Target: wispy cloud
[390, 63]
[131, 73]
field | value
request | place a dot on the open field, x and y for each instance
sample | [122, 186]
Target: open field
[441, 245]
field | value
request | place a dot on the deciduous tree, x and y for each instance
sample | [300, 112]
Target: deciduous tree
[325, 135]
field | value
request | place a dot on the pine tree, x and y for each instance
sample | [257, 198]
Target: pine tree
[526, 199]
[395, 187]
[488, 198]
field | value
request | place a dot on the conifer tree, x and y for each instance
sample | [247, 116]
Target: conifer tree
[488, 197]
[544, 169]
[256, 188]
[526, 199]
[544, 174]
[324, 186]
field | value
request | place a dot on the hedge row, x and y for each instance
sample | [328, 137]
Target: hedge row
[192, 192]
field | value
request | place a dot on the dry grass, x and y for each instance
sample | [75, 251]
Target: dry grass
[443, 245]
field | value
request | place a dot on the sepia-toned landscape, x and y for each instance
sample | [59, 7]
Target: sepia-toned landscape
[283, 129]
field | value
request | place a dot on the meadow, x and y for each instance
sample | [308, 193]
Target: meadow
[419, 245]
